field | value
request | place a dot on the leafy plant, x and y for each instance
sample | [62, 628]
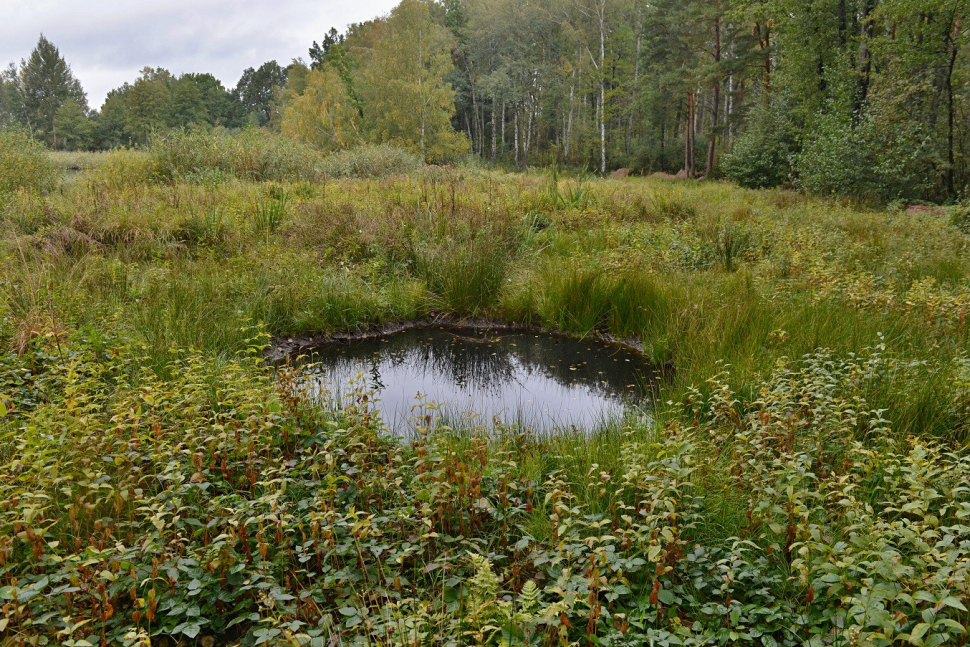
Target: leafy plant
[24, 163]
[762, 155]
[370, 161]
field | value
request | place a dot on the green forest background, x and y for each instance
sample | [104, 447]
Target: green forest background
[868, 98]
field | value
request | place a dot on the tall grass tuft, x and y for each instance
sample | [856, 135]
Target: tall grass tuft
[267, 213]
[464, 274]
[727, 240]
[574, 194]
[585, 299]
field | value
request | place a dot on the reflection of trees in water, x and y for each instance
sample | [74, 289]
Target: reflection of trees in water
[487, 361]
[481, 364]
[607, 370]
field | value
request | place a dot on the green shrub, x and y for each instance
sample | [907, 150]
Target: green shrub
[761, 156]
[121, 168]
[865, 158]
[24, 163]
[202, 155]
[960, 215]
[370, 161]
[836, 160]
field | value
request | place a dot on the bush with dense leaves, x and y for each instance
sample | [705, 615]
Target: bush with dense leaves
[370, 161]
[204, 155]
[865, 157]
[24, 163]
[761, 157]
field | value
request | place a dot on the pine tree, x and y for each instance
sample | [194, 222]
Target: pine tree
[45, 82]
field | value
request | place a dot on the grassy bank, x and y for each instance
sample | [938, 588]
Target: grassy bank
[803, 480]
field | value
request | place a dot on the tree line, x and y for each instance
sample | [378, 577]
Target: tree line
[861, 97]
[43, 95]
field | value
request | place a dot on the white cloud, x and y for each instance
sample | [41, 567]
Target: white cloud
[107, 42]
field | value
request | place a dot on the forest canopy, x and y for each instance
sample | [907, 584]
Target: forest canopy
[869, 98]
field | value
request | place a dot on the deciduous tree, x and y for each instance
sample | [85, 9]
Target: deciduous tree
[75, 130]
[408, 102]
[149, 104]
[323, 115]
[255, 90]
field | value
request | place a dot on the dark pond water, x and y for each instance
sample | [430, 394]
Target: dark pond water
[467, 378]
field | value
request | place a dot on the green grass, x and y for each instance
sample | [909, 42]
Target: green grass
[818, 390]
[464, 276]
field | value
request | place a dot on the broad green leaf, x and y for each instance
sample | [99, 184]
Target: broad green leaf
[916, 637]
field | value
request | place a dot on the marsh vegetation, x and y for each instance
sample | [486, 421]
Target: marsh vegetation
[804, 478]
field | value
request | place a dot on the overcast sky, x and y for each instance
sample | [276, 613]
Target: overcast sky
[106, 42]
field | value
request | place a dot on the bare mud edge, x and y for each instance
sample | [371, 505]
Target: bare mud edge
[282, 347]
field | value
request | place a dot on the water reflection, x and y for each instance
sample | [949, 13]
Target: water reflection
[541, 382]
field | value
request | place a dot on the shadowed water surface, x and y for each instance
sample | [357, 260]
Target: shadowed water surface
[468, 378]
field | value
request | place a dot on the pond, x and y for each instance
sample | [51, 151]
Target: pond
[469, 378]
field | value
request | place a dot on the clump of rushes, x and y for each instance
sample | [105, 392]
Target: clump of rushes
[268, 212]
[463, 275]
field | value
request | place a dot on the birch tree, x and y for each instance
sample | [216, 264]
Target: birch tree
[408, 102]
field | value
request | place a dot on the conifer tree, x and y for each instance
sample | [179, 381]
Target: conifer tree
[45, 82]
